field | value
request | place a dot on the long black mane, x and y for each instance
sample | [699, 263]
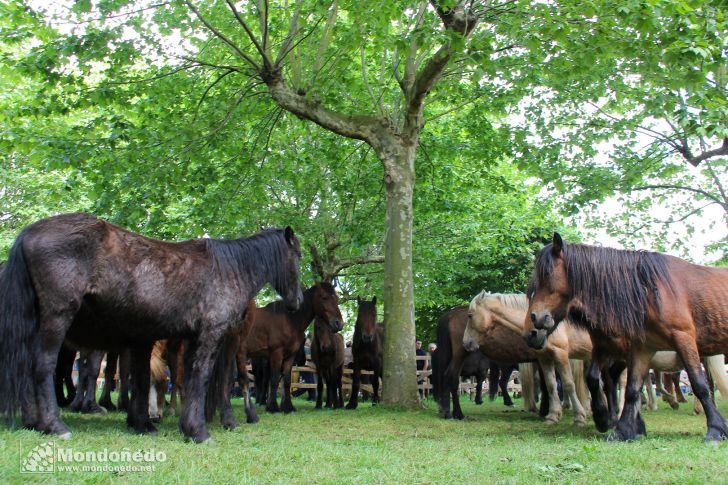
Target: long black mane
[615, 287]
[265, 252]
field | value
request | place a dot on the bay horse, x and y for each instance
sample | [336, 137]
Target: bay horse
[277, 334]
[121, 360]
[488, 311]
[367, 350]
[504, 347]
[651, 301]
[80, 278]
[327, 352]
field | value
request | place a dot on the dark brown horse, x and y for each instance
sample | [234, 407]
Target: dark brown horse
[80, 278]
[89, 364]
[327, 352]
[647, 302]
[367, 349]
[503, 347]
[277, 335]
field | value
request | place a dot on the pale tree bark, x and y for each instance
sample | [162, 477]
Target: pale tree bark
[395, 143]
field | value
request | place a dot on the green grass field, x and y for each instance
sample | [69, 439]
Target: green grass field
[376, 445]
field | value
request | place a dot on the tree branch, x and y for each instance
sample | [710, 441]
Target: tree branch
[261, 50]
[705, 194]
[222, 36]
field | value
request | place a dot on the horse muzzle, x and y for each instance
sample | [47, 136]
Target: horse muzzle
[337, 325]
[536, 339]
[367, 339]
[470, 345]
[543, 321]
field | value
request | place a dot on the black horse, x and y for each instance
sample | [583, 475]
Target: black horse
[80, 278]
[367, 350]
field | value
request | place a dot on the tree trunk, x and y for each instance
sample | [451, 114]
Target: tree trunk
[399, 374]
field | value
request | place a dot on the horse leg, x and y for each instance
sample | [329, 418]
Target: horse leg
[84, 366]
[124, 378]
[561, 359]
[286, 403]
[544, 403]
[630, 425]
[89, 405]
[355, 383]
[275, 363]
[555, 411]
[227, 417]
[493, 380]
[505, 376]
[599, 401]
[667, 396]
[651, 398]
[199, 359]
[138, 412]
[339, 388]
[320, 389]
[479, 388]
[688, 351]
[45, 347]
[375, 386]
[251, 416]
[109, 376]
[675, 380]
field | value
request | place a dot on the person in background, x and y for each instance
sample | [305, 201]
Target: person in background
[422, 365]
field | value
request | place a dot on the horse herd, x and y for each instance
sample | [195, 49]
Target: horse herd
[77, 282]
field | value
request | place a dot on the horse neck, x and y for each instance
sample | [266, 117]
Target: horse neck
[249, 262]
[303, 317]
[511, 318]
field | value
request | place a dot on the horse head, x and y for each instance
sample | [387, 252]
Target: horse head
[480, 323]
[549, 294]
[324, 335]
[366, 319]
[326, 306]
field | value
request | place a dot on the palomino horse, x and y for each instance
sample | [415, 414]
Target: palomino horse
[367, 350]
[649, 300]
[327, 352]
[503, 346]
[100, 286]
[490, 310]
[278, 333]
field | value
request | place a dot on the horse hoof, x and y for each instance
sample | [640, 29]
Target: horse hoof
[579, 423]
[551, 421]
[675, 406]
[65, 436]
[207, 441]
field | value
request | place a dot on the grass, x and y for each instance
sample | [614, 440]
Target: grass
[377, 445]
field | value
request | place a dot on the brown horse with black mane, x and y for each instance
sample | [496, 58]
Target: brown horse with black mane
[642, 300]
[367, 349]
[277, 335]
[80, 278]
[327, 352]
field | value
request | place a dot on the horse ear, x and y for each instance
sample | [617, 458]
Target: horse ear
[289, 235]
[374, 301]
[358, 299]
[558, 244]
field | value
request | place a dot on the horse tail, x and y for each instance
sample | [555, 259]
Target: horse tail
[18, 324]
[527, 376]
[714, 365]
[582, 391]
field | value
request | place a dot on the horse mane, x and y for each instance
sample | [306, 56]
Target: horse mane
[615, 286]
[517, 301]
[267, 250]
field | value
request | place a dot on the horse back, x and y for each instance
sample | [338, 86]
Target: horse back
[698, 294]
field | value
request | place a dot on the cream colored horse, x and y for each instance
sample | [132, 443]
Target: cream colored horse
[487, 310]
